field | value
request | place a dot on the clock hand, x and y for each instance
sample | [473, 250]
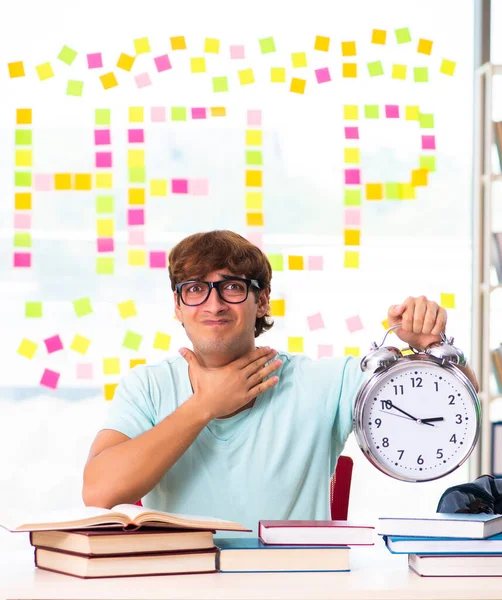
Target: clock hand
[427, 421]
[408, 415]
[385, 412]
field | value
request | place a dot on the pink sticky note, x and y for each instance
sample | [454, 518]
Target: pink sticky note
[256, 238]
[162, 63]
[179, 186]
[198, 113]
[324, 350]
[392, 111]
[198, 187]
[352, 216]
[50, 379]
[53, 344]
[136, 237]
[237, 52]
[142, 80]
[315, 322]
[136, 136]
[254, 118]
[44, 182]
[136, 216]
[352, 176]
[84, 370]
[22, 220]
[103, 159]
[158, 260]
[102, 137]
[428, 142]
[95, 60]
[22, 259]
[354, 323]
[105, 245]
[158, 114]
[352, 133]
[323, 75]
[315, 263]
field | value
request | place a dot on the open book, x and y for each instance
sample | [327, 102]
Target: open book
[123, 515]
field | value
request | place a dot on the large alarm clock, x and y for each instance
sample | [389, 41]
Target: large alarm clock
[417, 418]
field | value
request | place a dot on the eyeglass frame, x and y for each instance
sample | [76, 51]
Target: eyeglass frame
[216, 285]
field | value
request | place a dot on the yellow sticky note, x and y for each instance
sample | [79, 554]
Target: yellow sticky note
[125, 62]
[80, 344]
[24, 116]
[136, 195]
[254, 178]
[44, 71]
[158, 187]
[295, 263]
[27, 348]
[406, 191]
[321, 43]
[352, 237]
[133, 362]
[111, 366]
[108, 80]
[162, 341]
[297, 85]
[399, 71]
[295, 344]
[135, 158]
[349, 70]
[348, 48]
[277, 74]
[385, 324]
[374, 191]
[142, 45]
[105, 265]
[254, 201]
[127, 309]
[278, 308]
[218, 111]
[412, 113]
[351, 260]
[105, 227]
[211, 46]
[16, 69]
[22, 201]
[419, 177]
[246, 76]
[198, 65]
[447, 67]
[424, 46]
[352, 351]
[24, 158]
[379, 36]
[104, 181]
[136, 258]
[350, 112]
[254, 219]
[351, 155]
[299, 59]
[109, 390]
[83, 181]
[136, 114]
[253, 137]
[62, 181]
[447, 300]
[178, 42]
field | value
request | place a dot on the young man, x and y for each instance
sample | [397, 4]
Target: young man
[228, 429]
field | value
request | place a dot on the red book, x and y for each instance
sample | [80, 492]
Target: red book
[315, 533]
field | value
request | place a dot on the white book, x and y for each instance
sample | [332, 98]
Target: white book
[449, 525]
[450, 565]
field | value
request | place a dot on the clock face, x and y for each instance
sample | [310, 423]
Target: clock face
[417, 421]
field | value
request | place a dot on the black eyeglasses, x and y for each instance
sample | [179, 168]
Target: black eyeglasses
[233, 290]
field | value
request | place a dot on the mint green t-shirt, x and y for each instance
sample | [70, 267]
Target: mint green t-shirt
[272, 461]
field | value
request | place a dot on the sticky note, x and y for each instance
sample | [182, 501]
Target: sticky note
[352, 176]
[352, 197]
[428, 142]
[392, 191]
[295, 263]
[218, 111]
[237, 52]
[352, 237]
[315, 263]
[108, 80]
[324, 350]
[321, 43]
[111, 366]
[298, 60]
[136, 196]
[348, 48]
[220, 84]
[412, 113]
[386, 325]
[44, 71]
[424, 46]
[82, 306]
[103, 160]
[105, 244]
[22, 200]
[67, 55]
[198, 187]
[23, 137]
[419, 177]
[447, 67]
[351, 260]
[27, 348]
[136, 114]
[135, 158]
[104, 181]
[33, 310]
[22, 220]
[83, 181]
[378, 36]
[199, 113]
[16, 69]
[315, 322]
[136, 237]
[50, 379]
[198, 65]
[142, 80]
[157, 260]
[24, 116]
[53, 344]
[406, 191]
[62, 181]
[371, 111]
[375, 68]
[102, 137]
[254, 219]
[102, 116]
[158, 114]
[80, 344]
[137, 175]
[105, 227]
[109, 391]
[127, 309]
[22, 240]
[178, 113]
[351, 133]
[84, 371]
[136, 258]
[162, 341]
[351, 112]
[142, 45]
[256, 238]
[276, 261]
[421, 74]
[158, 187]
[295, 344]
[354, 323]
[105, 265]
[125, 62]
[134, 362]
[349, 70]
[323, 75]
[403, 35]
[22, 178]
[211, 46]
[178, 42]
[179, 186]
[447, 300]
[392, 111]
[428, 162]
[399, 71]
[23, 158]
[253, 137]
[132, 340]
[135, 136]
[254, 118]
[94, 60]
[254, 178]
[351, 155]
[426, 120]
[254, 157]
[267, 45]
[162, 63]
[278, 307]
[277, 74]
[246, 76]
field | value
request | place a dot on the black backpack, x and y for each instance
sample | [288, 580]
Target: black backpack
[483, 495]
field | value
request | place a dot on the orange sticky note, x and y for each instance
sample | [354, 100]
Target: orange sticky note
[62, 181]
[295, 263]
[109, 390]
[254, 178]
[349, 70]
[348, 48]
[374, 191]
[278, 307]
[83, 181]
[24, 116]
[352, 237]
[419, 177]
[16, 69]
[178, 43]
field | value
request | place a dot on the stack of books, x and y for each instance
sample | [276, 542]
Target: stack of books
[287, 546]
[447, 545]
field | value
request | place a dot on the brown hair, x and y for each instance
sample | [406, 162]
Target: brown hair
[199, 254]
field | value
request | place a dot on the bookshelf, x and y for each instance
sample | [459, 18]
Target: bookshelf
[483, 298]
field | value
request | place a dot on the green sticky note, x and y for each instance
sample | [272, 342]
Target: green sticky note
[375, 68]
[403, 35]
[82, 307]
[267, 45]
[23, 137]
[276, 261]
[22, 178]
[220, 84]
[105, 265]
[254, 157]
[392, 191]
[178, 113]
[132, 340]
[426, 120]
[371, 111]
[22, 239]
[104, 204]
[352, 198]
[421, 74]
[33, 310]
[137, 175]
[102, 116]
[67, 55]
[74, 88]
[428, 162]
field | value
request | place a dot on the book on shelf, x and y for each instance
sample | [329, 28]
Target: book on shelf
[497, 134]
[100, 542]
[429, 545]
[496, 355]
[122, 515]
[240, 555]
[496, 458]
[449, 525]
[126, 565]
[451, 565]
[296, 533]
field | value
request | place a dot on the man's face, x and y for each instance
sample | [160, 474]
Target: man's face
[216, 326]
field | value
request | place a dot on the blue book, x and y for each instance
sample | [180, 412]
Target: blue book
[250, 555]
[439, 525]
[427, 545]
